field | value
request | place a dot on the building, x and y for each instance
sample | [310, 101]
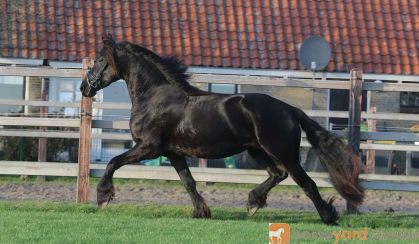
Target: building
[378, 37]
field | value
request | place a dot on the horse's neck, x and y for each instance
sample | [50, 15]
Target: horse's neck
[146, 79]
[140, 92]
[133, 92]
[139, 89]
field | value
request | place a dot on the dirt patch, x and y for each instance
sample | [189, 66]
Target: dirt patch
[286, 199]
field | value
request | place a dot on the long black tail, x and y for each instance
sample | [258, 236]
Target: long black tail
[337, 157]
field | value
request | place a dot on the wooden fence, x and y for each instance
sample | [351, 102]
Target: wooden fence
[86, 122]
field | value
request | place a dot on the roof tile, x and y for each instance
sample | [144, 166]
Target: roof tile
[378, 36]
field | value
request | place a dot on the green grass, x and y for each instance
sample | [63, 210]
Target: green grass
[42, 222]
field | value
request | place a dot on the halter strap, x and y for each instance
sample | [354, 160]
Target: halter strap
[92, 79]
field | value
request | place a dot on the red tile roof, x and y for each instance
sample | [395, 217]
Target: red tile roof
[378, 36]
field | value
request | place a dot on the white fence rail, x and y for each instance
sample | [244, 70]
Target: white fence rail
[368, 181]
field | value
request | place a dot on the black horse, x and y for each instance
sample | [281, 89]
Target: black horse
[170, 117]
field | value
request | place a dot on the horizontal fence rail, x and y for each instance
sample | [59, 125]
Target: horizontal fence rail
[127, 106]
[302, 74]
[40, 71]
[302, 83]
[75, 71]
[379, 136]
[127, 136]
[321, 81]
[45, 122]
[368, 181]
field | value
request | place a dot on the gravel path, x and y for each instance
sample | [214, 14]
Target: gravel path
[216, 196]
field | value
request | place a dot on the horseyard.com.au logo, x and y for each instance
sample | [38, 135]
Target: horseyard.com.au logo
[279, 233]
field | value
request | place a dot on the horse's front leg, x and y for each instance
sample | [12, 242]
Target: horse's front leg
[105, 188]
[201, 209]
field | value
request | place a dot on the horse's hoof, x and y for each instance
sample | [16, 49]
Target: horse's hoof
[333, 224]
[329, 215]
[103, 198]
[104, 204]
[252, 210]
[203, 212]
[255, 202]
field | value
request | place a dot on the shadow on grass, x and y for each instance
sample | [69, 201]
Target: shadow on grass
[381, 220]
[266, 216]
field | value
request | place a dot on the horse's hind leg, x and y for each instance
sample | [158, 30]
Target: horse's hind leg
[289, 156]
[282, 143]
[201, 209]
[257, 197]
[105, 188]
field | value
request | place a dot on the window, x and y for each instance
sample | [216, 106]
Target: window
[11, 87]
[223, 88]
[64, 90]
[409, 99]
[409, 102]
[116, 93]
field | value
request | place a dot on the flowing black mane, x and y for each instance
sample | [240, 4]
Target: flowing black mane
[171, 68]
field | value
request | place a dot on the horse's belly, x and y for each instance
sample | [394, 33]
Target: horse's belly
[213, 145]
[211, 135]
[208, 151]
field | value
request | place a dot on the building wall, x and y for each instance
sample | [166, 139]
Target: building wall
[389, 102]
[298, 97]
[304, 98]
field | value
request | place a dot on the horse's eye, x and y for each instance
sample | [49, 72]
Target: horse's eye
[100, 59]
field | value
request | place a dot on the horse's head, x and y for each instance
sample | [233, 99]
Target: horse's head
[104, 70]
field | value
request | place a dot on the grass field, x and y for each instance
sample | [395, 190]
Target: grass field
[42, 222]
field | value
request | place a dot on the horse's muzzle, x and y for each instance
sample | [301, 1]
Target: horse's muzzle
[87, 90]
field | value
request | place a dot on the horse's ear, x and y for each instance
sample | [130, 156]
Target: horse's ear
[108, 40]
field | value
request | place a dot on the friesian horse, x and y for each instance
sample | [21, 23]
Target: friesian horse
[171, 118]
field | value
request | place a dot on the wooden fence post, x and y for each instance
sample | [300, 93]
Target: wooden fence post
[408, 163]
[43, 113]
[354, 122]
[203, 163]
[370, 161]
[84, 144]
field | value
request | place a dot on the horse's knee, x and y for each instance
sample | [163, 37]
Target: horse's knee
[280, 177]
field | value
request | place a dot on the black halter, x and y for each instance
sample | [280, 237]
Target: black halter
[92, 79]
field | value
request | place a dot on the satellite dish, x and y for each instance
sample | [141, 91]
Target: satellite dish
[314, 53]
